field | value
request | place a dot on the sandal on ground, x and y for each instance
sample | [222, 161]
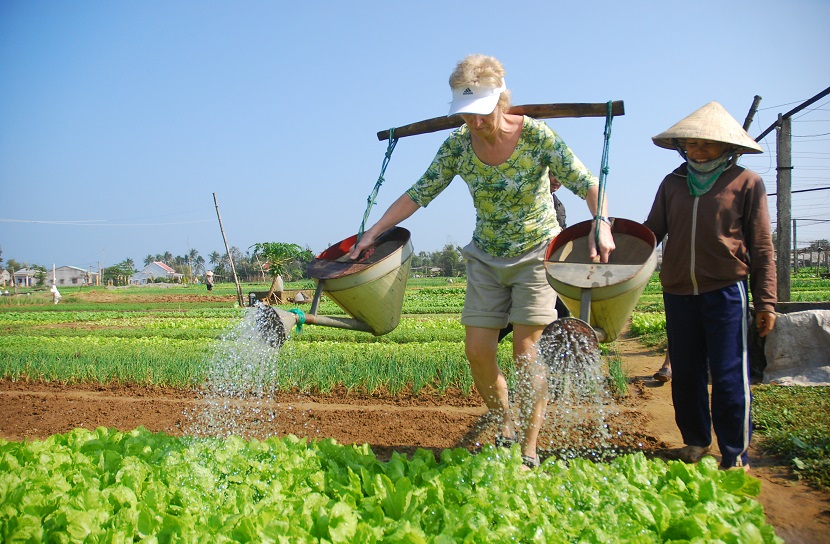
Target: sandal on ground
[742, 466]
[506, 441]
[663, 375]
[530, 462]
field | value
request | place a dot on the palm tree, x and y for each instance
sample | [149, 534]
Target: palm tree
[193, 261]
[130, 263]
[214, 258]
[148, 259]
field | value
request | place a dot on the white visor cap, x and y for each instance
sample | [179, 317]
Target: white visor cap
[476, 100]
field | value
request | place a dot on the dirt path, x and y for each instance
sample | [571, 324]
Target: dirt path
[401, 423]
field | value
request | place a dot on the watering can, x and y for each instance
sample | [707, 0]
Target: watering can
[603, 295]
[370, 289]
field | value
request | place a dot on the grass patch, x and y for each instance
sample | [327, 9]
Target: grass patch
[794, 423]
[617, 376]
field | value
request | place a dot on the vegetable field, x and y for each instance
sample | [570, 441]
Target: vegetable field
[350, 437]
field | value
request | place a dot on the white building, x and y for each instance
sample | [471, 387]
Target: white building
[72, 275]
[25, 277]
[152, 272]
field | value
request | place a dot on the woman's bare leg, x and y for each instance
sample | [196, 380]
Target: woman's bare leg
[532, 389]
[481, 346]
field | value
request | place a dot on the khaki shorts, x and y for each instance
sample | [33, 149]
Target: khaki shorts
[507, 290]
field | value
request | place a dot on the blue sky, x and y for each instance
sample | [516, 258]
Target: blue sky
[121, 119]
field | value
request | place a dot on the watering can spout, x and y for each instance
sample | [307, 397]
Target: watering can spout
[275, 324]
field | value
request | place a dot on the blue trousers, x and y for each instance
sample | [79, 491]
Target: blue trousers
[707, 334]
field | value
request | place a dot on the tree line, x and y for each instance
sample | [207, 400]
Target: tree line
[251, 267]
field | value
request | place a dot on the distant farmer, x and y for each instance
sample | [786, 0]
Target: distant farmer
[209, 280]
[56, 296]
[558, 206]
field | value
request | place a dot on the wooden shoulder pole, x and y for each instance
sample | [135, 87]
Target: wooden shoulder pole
[539, 111]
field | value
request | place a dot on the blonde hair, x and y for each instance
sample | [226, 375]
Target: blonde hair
[481, 71]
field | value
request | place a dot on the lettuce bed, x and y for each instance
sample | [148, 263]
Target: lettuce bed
[110, 486]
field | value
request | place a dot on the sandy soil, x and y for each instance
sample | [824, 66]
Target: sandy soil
[401, 423]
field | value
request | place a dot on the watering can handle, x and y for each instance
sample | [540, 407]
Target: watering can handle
[603, 173]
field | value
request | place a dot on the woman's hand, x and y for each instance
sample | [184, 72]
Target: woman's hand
[397, 212]
[365, 243]
[606, 242]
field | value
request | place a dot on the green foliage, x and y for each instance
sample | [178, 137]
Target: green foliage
[617, 376]
[167, 346]
[169, 343]
[319, 366]
[110, 486]
[451, 261]
[647, 322]
[119, 273]
[280, 256]
[795, 423]
[153, 360]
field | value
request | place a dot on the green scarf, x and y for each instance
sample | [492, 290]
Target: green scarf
[702, 175]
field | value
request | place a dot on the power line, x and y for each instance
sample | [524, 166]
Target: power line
[793, 111]
[98, 223]
[803, 191]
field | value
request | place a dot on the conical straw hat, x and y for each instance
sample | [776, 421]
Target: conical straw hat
[711, 122]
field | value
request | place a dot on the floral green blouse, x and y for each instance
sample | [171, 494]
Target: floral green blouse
[514, 210]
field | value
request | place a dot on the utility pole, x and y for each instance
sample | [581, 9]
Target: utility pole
[784, 181]
[783, 204]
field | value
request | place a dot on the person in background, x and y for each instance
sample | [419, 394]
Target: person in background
[664, 374]
[505, 159]
[209, 280]
[56, 295]
[558, 206]
[717, 221]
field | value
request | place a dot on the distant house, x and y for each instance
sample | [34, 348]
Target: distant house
[72, 275]
[25, 277]
[154, 271]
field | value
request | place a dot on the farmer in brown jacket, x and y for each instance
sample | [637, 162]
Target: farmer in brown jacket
[716, 217]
